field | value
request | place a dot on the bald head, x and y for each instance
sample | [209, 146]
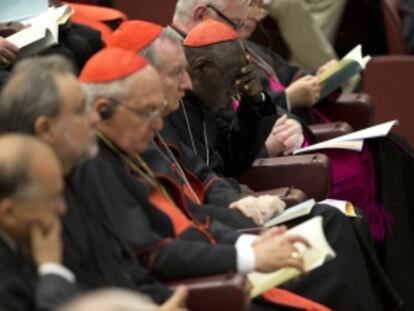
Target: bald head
[31, 186]
[214, 70]
[21, 158]
[111, 300]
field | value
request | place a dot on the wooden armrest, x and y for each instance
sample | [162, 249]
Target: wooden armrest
[355, 109]
[291, 196]
[217, 292]
[310, 173]
[326, 131]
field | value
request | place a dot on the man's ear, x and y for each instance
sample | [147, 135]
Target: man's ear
[200, 13]
[43, 129]
[101, 107]
[198, 67]
[6, 213]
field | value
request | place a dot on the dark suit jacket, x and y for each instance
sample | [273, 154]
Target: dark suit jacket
[407, 7]
[22, 289]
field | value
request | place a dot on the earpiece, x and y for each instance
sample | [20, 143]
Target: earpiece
[105, 112]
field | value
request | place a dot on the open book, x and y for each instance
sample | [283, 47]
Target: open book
[353, 141]
[349, 66]
[41, 31]
[293, 212]
[17, 10]
[314, 257]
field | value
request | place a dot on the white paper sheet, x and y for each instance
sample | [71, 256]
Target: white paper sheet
[17, 10]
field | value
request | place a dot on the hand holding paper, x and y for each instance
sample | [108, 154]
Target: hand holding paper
[273, 250]
[304, 92]
[313, 257]
[349, 66]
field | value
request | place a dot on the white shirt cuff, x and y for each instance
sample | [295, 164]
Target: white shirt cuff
[246, 260]
[54, 268]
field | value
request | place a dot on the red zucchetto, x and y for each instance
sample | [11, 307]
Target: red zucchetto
[210, 32]
[111, 64]
[134, 35]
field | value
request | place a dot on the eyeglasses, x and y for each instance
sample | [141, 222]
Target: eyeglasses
[235, 25]
[148, 116]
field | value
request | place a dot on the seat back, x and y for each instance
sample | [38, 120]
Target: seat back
[393, 26]
[157, 11]
[388, 80]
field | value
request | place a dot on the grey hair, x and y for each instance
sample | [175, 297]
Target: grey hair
[32, 92]
[185, 8]
[167, 34]
[115, 90]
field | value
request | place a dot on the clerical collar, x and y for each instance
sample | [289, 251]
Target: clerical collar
[8, 240]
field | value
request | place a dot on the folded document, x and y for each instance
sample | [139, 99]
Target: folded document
[353, 141]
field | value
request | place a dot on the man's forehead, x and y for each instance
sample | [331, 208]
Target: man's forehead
[145, 86]
[71, 93]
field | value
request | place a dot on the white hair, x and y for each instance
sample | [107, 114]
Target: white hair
[167, 34]
[185, 8]
[115, 90]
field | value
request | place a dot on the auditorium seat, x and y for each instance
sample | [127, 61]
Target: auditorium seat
[388, 79]
[291, 171]
[356, 109]
[218, 292]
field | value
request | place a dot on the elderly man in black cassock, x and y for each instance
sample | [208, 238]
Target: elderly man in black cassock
[174, 237]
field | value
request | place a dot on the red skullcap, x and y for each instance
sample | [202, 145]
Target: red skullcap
[111, 64]
[134, 35]
[210, 32]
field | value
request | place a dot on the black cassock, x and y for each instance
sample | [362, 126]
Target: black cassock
[167, 156]
[22, 289]
[94, 250]
[352, 281]
[227, 149]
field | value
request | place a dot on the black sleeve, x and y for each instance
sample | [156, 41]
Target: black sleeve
[240, 141]
[15, 292]
[52, 291]
[217, 190]
[146, 229]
